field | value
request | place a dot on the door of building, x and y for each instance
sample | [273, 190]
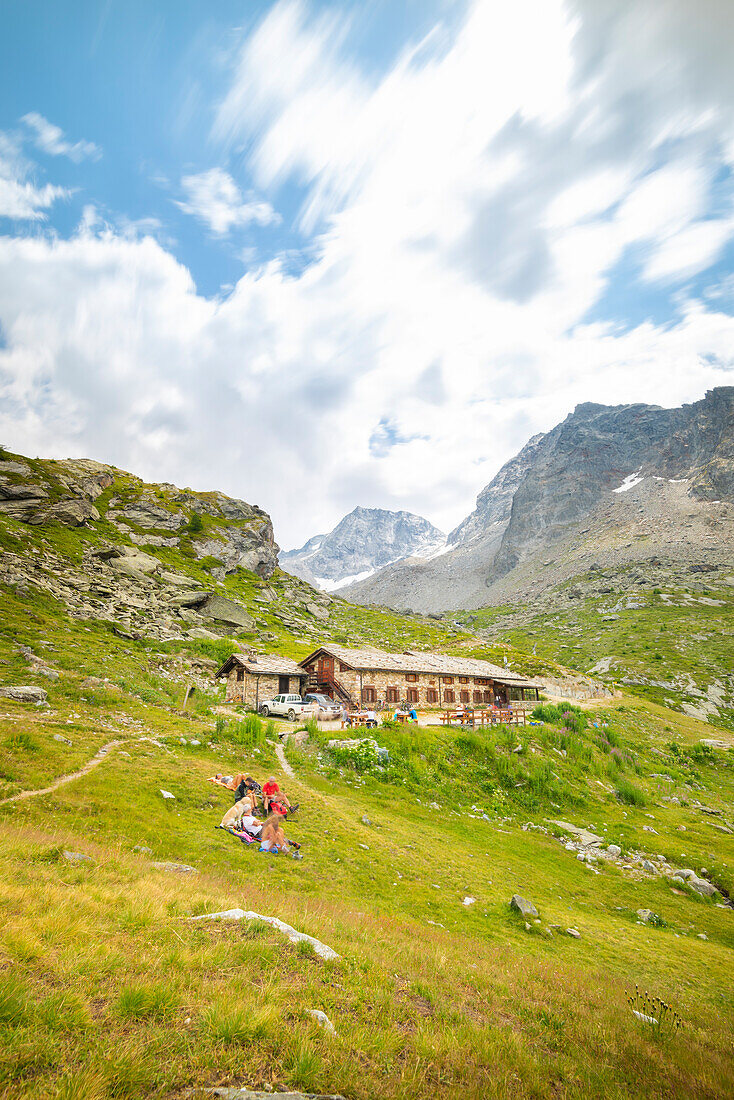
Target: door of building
[283, 685]
[326, 670]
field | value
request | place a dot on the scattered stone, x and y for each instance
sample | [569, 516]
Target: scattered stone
[60, 737]
[365, 846]
[614, 850]
[522, 906]
[574, 932]
[646, 915]
[648, 866]
[43, 670]
[142, 848]
[366, 820]
[167, 794]
[702, 936]
[321, 949]
[77, 857]
[175, 868]
[322, 1019]
[91, 683]
[469, 901]
[25, 693]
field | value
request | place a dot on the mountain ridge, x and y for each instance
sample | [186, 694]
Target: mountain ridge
[364, 540]
[556, 481]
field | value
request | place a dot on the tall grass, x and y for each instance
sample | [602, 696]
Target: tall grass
[629, 794]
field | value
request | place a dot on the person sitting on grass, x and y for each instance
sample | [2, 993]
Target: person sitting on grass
[248, 788]
[273, 839]
[272, 793]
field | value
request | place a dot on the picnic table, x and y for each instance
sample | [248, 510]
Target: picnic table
[361, 718]
[504, 716]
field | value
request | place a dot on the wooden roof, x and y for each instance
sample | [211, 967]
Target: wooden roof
[377, 660]
[261, 663]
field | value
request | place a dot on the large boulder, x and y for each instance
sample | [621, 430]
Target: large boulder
[522, 906]
[70, 513]
[703, 887]
[242, 548]
[129, 556]
[220, 610]
[24, 693]
[144, 513]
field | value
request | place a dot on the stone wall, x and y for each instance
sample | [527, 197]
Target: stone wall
[248, 692]
[424, 690]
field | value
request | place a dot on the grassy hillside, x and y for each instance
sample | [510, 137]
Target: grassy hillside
[670, 643]
[108, 990]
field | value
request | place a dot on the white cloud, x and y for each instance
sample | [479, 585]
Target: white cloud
[215, 199]
[693, 249]
[20, 198]
[468, 206]
[51, 139]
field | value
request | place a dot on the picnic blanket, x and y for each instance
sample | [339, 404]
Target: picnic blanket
[240, 834]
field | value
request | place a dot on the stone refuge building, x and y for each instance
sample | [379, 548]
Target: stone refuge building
[370, 676]
[252, 677]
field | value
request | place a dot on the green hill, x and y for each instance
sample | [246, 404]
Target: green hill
[108, 989]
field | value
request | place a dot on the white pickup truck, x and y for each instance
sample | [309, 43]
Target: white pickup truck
[286, 706]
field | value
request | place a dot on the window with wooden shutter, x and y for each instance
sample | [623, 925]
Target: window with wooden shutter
[448, 696]
[477, 696]
[463, 679]
[488, 697]
[411, 677]
[464, 696]
[432, 695]
[412, 695]
[369, 695]
[448, 679]
[392, 695]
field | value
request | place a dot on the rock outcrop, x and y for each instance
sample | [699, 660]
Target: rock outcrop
[121, 522]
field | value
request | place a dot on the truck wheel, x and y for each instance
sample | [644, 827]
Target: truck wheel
[265, 711]
[291, 715]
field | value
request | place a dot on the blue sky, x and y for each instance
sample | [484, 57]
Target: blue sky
[328, 254]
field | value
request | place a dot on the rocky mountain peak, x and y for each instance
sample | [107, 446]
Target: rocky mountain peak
[582, 468]
[364, 540]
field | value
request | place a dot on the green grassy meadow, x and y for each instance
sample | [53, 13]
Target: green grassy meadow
[108, 991]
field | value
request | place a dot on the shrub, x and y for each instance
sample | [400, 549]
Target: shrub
[361, 758]
[195, 524]
[629, 794]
